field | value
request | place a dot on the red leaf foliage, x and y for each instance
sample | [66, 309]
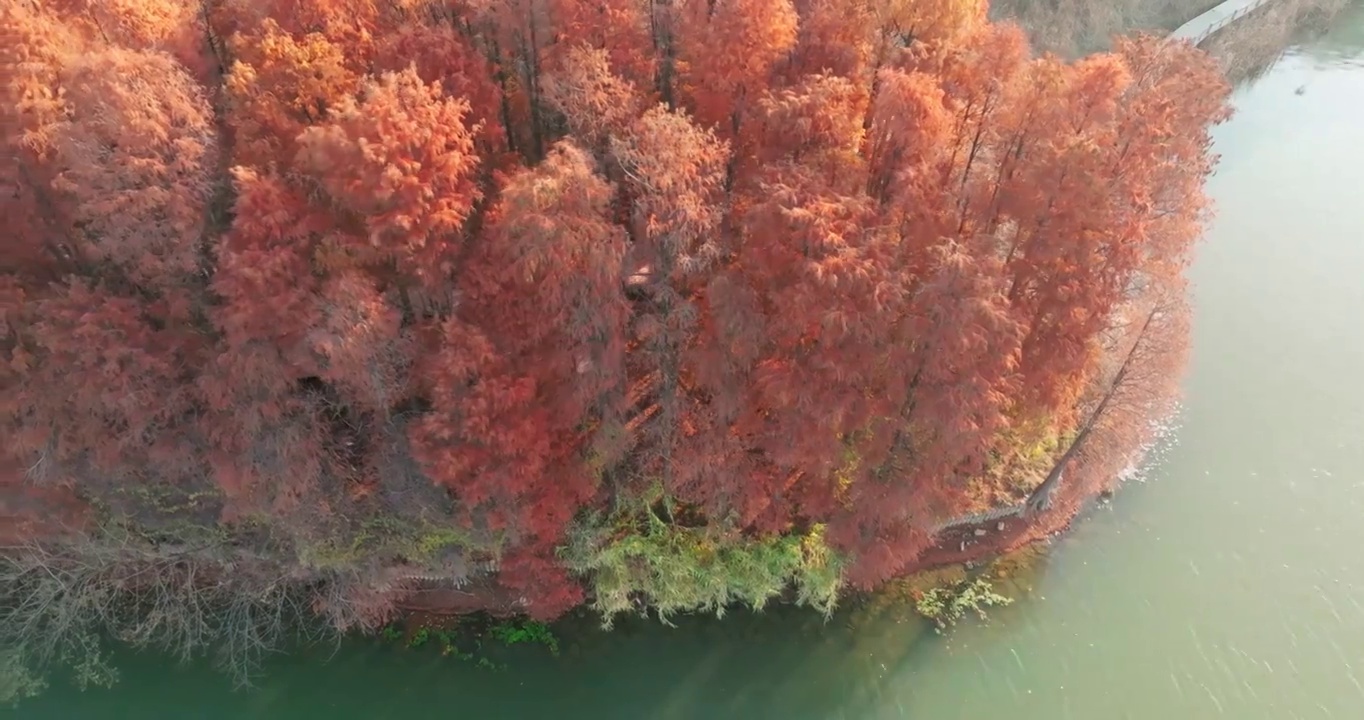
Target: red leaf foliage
[501, 269]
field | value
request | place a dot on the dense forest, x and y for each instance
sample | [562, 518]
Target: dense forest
[308, 307]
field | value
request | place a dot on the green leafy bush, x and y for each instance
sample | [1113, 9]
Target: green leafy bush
[947, 605]
[673, 569]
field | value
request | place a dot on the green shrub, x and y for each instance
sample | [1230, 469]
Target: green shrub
[527, 631]
[672, 569]
[947, 605]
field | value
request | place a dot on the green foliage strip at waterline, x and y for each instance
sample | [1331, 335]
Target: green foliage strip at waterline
[456, 642]
[947, 605]
[670, 569]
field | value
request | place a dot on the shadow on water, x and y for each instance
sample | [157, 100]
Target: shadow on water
[785, 662]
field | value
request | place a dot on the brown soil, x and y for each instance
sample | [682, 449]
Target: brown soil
[482, 595]
[983, 541]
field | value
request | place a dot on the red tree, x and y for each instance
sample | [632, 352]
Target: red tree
[279, 85]
[441, 55]
[533, 410]
[426, 290]
[718, 83]
[674, 172]
[135, 163]
[398, 164]
[264, 277]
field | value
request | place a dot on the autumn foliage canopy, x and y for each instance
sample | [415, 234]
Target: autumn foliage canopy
[445, 291]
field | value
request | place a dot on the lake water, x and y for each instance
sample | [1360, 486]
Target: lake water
[1229, 584]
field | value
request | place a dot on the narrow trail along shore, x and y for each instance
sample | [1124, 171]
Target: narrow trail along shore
[1204, 26]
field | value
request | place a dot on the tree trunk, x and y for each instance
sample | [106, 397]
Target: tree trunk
[1040, 498]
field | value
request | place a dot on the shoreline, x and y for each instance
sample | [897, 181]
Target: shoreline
[649, 464]
[964, 544]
